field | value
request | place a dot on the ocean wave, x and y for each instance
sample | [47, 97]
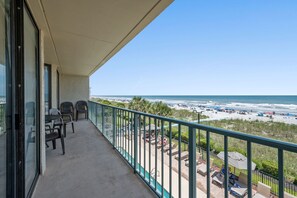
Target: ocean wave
[265, 107]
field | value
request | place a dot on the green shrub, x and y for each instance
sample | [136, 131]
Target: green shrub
[184, 137]
[258, 164]
[236, 149]
[203, 144]
[295, 181]
[270, 168]
[217, 148]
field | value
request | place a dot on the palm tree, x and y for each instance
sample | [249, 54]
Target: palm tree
[161, 109]
[139, 104]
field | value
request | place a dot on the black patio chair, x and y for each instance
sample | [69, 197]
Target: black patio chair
[67, 111]
[67, 108]
[81, 106]
[52, 134]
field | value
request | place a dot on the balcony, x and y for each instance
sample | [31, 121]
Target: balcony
[166, 171]
[101, 157]
[90, 167]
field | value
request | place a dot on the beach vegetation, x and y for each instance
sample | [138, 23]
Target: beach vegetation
[264, 157]
[270, 168]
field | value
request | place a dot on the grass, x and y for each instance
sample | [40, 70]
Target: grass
[275, 130]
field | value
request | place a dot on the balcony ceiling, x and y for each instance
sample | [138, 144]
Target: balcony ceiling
[80, 36]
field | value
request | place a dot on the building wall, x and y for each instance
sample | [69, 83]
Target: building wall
[74, 88]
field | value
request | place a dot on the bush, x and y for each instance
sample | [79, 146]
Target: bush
[295, 181]
[270, 168]
[184, 137]
[203, 144]
[258, 164]
[237, 149]
[217, 148]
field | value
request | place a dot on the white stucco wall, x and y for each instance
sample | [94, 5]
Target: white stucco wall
[74, 88]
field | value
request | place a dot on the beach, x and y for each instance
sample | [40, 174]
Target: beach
[275, 108]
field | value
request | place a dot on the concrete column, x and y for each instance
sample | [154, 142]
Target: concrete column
[42, 122]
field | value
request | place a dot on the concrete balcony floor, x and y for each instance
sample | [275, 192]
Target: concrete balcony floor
[90, 168]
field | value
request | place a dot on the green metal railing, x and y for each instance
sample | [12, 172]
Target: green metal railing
[132, 134]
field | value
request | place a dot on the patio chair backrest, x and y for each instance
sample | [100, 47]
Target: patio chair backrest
[81, 105]
[54, 111]
[242, 178]
[67, 108]
[263, 189]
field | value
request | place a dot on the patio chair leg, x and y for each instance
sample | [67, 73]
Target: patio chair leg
[64, 130]
[63, 144]
[54, 144]
[72, 127]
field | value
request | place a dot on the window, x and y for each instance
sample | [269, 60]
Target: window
[47, 88]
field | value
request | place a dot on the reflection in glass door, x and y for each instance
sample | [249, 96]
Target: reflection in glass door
[30, 100]
[47, 89]
[5, 110]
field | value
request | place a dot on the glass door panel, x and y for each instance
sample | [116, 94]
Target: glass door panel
[30, 99]
[4, 92]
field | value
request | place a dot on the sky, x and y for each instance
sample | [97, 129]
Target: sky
[208, 47]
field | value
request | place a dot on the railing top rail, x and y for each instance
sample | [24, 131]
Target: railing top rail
[288, 146]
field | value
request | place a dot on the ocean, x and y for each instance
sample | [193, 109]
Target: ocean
[279, 104]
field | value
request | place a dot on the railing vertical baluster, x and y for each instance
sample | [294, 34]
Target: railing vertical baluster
[179, 162]
[122, 131]
[162, 134]
[208, 163]
[129, 137]
[132, 138]
[103, 124]
[150, 134]
[280, 173]
[192, 162]
[170, 160]
[135, 141]
[249, 168]
[114, 127]
[139, 143]
[156, 155]
[118, 131]
[226, 183]
[144, 145]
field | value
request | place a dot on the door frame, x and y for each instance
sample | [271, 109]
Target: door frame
[19, 8]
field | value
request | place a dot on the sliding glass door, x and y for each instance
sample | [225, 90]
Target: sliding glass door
[31, 101]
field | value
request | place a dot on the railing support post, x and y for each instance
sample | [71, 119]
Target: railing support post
[114, 114]
[192, 162]
[135, 141]
[226, 166]
[280, 173]
[249, 166]
[103, 119]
